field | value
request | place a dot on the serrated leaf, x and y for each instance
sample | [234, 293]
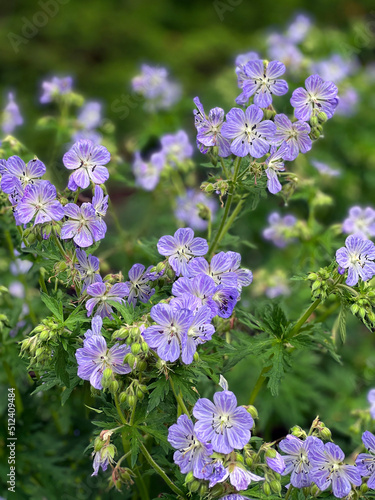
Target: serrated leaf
[161, 388]
[54, 305]
[126, 311]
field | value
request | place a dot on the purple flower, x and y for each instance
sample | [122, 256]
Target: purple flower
[154, 85]
[19, 266]
[262, 81]
[361, 222]
[102, 458]
[201, 286]
[348, 102]
[357, 256]
[283, 49]
[219, 269]
[318, 96]
[275, 164]
[83, 225]
[365, 462]
[250, 135]
[297, 459]
[181, 248]
[222, 422]
[298, 28]
[234, 496]
[325, 169]
[328, 469]
[371, 400]
[214, 472]
[335, 68]
[39, 200]
[96, 327]
[241, 60]
[88, 267]
[170, 332]
[176, 148]
[239, 477]
[277, 463]
[225, 298]
[101, 293]
[94, 357]
[55, 88]
[294, 135]
[100, 202]
[199, 331]
[139, 287]
[187, 209]
[191, 454]
[279, 230]
[90, 115]
[87, 160]
[18, 175]
[11, 116]
[244, 276]
[209, 129]
[147, 174]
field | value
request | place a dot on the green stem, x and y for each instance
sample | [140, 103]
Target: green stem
[125, 444]
[221, 233]
[305, 316]
[59, 245]
[179, 399]
[288, 492]
[233, 216]
[77, 195]
[9, 243]
[161, 472]
[225, 172]
[258, 384]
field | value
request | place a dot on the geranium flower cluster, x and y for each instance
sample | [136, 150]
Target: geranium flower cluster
[175, 151]
[258, 131]
[205, 448]
[202, 291]
[311, 461]
[154, 85]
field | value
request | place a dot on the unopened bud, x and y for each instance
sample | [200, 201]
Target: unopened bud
[271, 453]
[253, 411]
[314, 121]
[196, 356]
[144, 347]
[130, 359]
[135, 348]
[189, 477]
[141, 365]
[275, 486]
[107, 373]
[131, 400]
[44, 335]
[322, 117]
[364, 488]
[113, 386]
[249, 461]
[122, 397]
[266, 489]
[98, 444]
[194, 485]
[326, 433]
[298, 432]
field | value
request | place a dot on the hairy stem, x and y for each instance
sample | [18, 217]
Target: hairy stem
[305, 316]
[161, 472]
[223, 225]
[258, 384]
[179, 399]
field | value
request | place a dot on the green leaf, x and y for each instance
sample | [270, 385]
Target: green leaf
[55, 306]
[161, 388]
[60, 365]
[126, 311]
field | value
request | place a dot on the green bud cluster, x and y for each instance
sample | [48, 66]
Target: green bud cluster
[220, 186]
[321, 283]
[316, 122]
[362, 307]
[298, 432]
[38, 346]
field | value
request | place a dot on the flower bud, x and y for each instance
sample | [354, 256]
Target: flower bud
[131, 400]
[98, 444]
[364, 488]
[314, 121]
[314, 134]
[314, 490]
[194, 485]
[113, 386]
[249, 461]
[107, 373]
[135, 348]
[144, 346]
[203, 490]
[266, 489]
[196, 356]
[130, 359]
[44, 335]
[275, 486]
[189, 477]
[326, 433]
[322, 117]
[122, 397]
[298, 432]
[271, 453]
[253, 411]
[141, 365]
